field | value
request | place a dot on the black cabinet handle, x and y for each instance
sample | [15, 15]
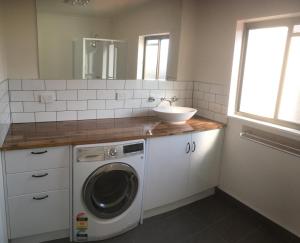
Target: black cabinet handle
[194, 147]
[40, 198]
[40, 175]
[188, 148]
[42, 152]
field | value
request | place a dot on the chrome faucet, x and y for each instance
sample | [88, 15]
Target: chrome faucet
[170, 100]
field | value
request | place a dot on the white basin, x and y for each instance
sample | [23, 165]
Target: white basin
[174, 114]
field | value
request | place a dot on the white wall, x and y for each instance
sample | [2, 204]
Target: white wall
[3, 76]
[21, 39]
[264, 179]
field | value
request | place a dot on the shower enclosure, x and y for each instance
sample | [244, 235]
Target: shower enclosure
[99, 59]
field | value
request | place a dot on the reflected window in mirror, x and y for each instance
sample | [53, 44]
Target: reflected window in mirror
[155, 57]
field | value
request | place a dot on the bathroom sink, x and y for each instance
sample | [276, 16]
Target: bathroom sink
[174, 114]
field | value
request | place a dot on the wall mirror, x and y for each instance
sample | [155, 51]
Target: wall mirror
[108, 39]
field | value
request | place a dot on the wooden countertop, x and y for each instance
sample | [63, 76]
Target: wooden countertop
[50, 134]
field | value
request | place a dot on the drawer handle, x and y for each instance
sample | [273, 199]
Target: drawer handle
[40, 175]
[42, 152]
[40, 198]
[194, 147]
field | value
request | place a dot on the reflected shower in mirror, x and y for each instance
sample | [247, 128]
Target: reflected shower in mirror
[108, 39]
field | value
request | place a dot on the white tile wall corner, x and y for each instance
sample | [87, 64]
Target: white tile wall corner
[211, 100]
[5, 117]
[91, 99]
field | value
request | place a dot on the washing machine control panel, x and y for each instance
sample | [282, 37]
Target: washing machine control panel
[100, 153]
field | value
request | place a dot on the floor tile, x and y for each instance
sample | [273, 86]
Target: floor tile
[206, 236]
[236, 226]
[211, 209]
[212, 220]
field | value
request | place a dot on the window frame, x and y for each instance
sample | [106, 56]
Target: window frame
[159, 38]
[279, 22]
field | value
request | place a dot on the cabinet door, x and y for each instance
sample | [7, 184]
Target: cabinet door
[167, 169]
[205, 161]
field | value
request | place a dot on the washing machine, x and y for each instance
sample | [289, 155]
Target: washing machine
[107, 189]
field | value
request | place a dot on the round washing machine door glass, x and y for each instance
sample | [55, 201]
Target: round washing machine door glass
[110, 190]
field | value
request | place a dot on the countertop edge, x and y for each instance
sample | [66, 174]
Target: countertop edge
[42, 143]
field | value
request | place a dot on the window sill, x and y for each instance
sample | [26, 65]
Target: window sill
[289, 132]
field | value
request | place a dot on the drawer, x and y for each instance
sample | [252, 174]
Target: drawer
[36, 159]
[37, 181]
[30, 217]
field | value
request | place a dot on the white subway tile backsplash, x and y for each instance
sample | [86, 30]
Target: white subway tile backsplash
[16, 107]
[133, 84]
[138, 94]
[87, 94]
[120, 113]
[45, 116]
[222, 99]
[124, 94]
[96, 84]
[21, 96]
[215, 107]
[138, 112]
[22, 117]
[217, 89]
[114, 104]
[15, 84]
[96, 104]
[150, 84]
[77, 84]
[115, 84]
[67, 95]
[56, 106]
[209, 97]
[56, 84]
[37, 95]
[157, 93]
[66, 115]
[90, 99]
[75, 105]
[89, 114]
[102, 114]
[133, 103]
[33, 106]
[33, 84]
[106, 94]
[165, 84]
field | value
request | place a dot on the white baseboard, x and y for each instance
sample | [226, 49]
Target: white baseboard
[42, 237]
[178, 204]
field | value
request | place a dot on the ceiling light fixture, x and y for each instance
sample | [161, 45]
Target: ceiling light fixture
[81, 3]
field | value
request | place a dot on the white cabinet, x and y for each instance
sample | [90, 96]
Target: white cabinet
[204, 161]
[31, 215]
[166, 170]
[37, 183]
[181, 166]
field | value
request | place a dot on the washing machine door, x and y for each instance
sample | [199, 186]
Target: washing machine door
[110, 190]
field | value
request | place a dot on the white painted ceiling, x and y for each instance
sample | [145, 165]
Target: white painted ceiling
[94, 8]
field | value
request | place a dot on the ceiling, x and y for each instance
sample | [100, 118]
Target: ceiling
[94, 8]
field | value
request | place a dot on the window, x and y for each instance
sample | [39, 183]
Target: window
[269, 74]
[156, 49]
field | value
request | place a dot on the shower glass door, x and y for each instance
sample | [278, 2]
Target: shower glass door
[103, 59]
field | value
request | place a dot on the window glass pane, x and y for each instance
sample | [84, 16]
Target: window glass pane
[151, 60]
[264, 59]
[163, 60]
[290, 100]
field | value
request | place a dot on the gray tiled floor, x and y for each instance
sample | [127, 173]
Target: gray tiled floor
[216, 219]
